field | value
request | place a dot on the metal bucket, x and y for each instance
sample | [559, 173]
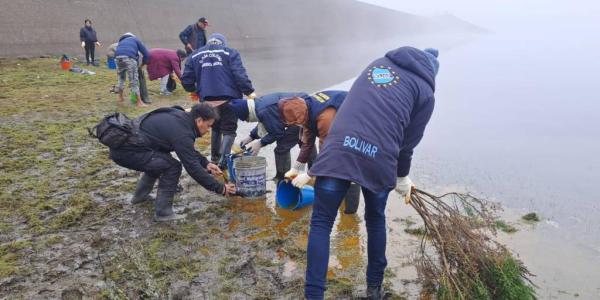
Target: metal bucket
[251, 176]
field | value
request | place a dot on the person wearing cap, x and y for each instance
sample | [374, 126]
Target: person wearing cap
[216, 73]
[315, 113]
[370, 143]
[163, 64]
[194, 35]
[126, 58]
[271, 128]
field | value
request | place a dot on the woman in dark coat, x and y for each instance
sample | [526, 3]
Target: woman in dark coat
[89, 40]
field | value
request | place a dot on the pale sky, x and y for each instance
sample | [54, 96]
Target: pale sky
[498, 14]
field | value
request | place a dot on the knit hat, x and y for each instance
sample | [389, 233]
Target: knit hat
[432, 55]
[240, 107]
[293, 111]
[217, 38]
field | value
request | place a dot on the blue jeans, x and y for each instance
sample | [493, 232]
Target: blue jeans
[329, 193]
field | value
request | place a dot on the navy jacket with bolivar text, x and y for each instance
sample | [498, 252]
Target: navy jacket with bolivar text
[267, 112]
[172, 129]
[383, 118]
[217, 72]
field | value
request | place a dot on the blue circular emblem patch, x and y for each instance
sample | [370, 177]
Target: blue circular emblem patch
[382, 76]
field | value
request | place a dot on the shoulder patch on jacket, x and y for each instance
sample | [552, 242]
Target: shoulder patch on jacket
[382, 76]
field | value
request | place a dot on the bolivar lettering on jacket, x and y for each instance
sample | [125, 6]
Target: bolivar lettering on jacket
[381, 121]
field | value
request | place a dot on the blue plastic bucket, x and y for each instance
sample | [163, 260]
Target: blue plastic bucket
[251, 176]
[290, 197]
[110, 63]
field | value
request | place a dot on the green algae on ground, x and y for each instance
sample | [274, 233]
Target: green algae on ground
[531, 217]
[505, 227]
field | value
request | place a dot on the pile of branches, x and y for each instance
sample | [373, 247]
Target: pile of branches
[459, 258]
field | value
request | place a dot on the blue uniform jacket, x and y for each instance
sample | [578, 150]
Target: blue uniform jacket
[383, 118]
[320, 101]
[267, 112]
[217, 72]
[130, 46]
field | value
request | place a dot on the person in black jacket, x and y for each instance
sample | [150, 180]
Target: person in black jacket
[89, 40]
[167, 130]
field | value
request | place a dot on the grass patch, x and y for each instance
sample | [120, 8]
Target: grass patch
[505, 227]
[531, 217]
[419, 231]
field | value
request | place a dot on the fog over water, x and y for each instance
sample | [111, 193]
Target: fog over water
[518, 113]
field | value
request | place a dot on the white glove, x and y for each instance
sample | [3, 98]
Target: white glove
[301, 180]
[82, 44]
[403, 186]
[245, 141]
[293, 172]
[254, 147]
[252, 96]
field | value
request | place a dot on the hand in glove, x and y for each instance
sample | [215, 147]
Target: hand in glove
[293, 172]
[254, 147]
[252, 95]
[403, 186]
[245, 141]
[301, 180]
[82, 44]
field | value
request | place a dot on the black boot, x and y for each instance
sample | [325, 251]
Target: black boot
[143, 189]
[225, 149]
[352, 199]
[283, 162]
[215, 146]
[374, 292]
[164, 207]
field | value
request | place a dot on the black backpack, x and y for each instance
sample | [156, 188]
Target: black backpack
[117, 130]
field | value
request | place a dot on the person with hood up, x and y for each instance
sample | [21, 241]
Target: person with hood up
[370, 143]
[89, 40]
[163, 64]
[270, 128]
[315, 113]
[216, 73]
[167, 130]
[126, 58]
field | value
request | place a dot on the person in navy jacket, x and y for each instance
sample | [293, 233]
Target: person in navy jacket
[270, 128]
[371, 143]
[216, 73]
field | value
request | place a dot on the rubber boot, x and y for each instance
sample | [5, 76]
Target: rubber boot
[215, 146]
[143, 189]
[226, 144]
[352, 199]
[374, 292]
[283, 162]
[164, 207]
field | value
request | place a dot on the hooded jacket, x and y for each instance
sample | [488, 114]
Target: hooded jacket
[130, 46]
[381, 121]
[216, 72]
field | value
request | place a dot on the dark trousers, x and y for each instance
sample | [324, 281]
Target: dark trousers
[329, 193]
[226, 125]
[154, 163]
[288, 141]
[90, 48]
